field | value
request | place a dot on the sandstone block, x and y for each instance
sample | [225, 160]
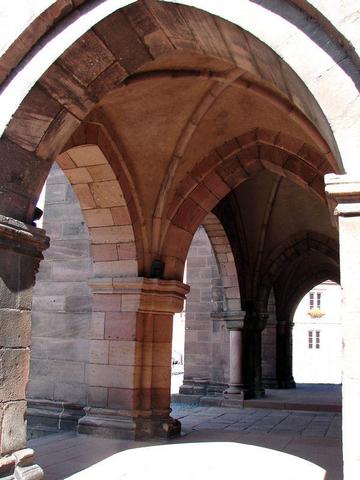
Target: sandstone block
[112, 376]
[98, 396]
[104, 253]
[100, 217]
[99, 352]
[107, 302]
[14, 370]
[120, 325]
[124, 352]
[15, 328]
[13, 426]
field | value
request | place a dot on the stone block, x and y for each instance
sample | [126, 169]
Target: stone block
[98, 396]
[100, 217]
[15, 328]
[124, 352]
[99, 352]
[116, 268]
[39, 347]
[104, 253]
[107, 302]
[112, 376]
[157, 354]
[68, 349]
[84, 196]
[123, 398]
[69, 249]
[78, 175]
[79, 303]
[60, 325]
[40, 388]
[13, 426]
[75, 230]
[161, 377]
[58, 370]
[121, 216]
[56, 193]
[62, 212]
[51, 303]
[14, 372]
[120, 325]
[53, 230]
[101, 173]
[71, 392]
[113, 234]
[97, 326]
[72, 270]
[107, 194]
[45, 288]
[126, 251]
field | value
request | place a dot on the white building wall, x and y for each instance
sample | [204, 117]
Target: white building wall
[318, 365]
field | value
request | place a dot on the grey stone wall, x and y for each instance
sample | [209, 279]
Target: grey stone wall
[62, 302]
[206, 338]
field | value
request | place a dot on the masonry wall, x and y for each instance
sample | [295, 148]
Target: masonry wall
[206, 337]
[62, 303]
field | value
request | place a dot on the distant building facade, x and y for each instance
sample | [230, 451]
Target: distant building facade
[317, 336]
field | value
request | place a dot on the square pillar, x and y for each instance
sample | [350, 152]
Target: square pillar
[254, 324]
[284, 374]
[21, 249]
[129, 369]
[343, 193]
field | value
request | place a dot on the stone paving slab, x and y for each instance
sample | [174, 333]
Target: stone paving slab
[313, 436]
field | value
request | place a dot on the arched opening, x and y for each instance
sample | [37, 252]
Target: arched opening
[193, 114]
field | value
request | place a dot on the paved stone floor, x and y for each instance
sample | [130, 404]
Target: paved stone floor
[312, 435]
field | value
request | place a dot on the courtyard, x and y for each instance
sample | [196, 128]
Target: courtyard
[312, 435]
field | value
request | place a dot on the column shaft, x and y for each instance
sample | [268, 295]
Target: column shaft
[344, 193]
[20, 253]
[284, 373]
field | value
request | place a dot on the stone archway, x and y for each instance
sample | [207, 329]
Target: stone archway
[162, 66]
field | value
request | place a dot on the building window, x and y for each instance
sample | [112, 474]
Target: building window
[315, 297]
[311, 339]
[318, 301]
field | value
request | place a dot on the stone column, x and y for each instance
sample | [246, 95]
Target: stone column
[21, 247]
[252, 375]
[344, 193]
[129, 370]
[284, 373]
[235, 325]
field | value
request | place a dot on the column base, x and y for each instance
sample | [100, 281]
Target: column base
[286, 383]
[250, 393]
[233, 397]
[45, 416]
[110, 424]
[19, 466]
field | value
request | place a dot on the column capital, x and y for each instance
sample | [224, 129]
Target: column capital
[145, 295]
[22, 238]
[343, 194]
[256, 320]
[234, 320]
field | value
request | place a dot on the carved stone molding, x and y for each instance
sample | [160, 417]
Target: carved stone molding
[146, 295]
[343, 195]
[22, 238]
